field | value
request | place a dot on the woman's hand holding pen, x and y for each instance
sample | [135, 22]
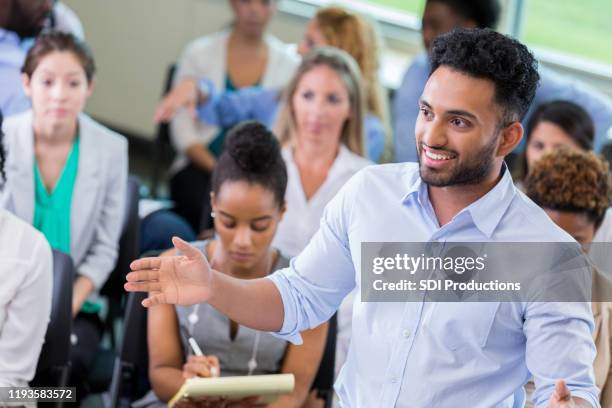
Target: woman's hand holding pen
[201, 366]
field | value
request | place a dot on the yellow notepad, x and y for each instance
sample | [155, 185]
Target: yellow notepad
[267, 387]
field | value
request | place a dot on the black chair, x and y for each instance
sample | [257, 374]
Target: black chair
[128, 251]
[131, 366]
[324, 379]
[164, 152]
[53, 367]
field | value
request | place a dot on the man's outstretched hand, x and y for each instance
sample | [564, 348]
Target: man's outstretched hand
[179, 280]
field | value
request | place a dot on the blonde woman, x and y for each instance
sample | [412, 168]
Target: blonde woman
[331, 26]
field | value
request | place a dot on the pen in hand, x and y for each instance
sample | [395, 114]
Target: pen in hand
[214, 371]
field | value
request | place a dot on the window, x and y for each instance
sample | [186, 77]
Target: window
[581, 28]
[408, 6]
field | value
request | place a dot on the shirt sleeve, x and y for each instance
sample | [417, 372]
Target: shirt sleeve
[226, 109]
[564, 350]
[319, 278]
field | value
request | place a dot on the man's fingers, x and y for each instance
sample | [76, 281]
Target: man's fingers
[144, 275]
[146, 263]
[187, 250]
[142, 287]
[154, 300]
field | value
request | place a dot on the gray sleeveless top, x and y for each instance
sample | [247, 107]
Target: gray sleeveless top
[212, 333]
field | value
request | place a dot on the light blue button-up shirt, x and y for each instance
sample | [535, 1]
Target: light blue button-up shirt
[435, 354]
[552, 86]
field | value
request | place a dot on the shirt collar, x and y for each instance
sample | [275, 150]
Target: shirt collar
[486, 212]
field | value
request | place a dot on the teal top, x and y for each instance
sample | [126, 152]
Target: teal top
[216, 145]
[52, 210]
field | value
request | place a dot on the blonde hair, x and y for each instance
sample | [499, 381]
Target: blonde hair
[348, 71]
[361, 39]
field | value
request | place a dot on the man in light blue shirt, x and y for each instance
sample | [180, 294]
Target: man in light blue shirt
[18, 19]
[422, 354]
[441, 16]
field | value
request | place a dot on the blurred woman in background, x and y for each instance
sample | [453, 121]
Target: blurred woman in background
[331, 26]
[67, 176]
[554, 124]
[243, 55]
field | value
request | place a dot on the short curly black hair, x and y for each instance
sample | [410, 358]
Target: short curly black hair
[484, 12]
[252, 153]
[571, 180]
[484, 53]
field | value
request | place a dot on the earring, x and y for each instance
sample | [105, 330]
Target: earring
[212, 214]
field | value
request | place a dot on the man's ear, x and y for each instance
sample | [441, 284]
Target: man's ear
[511, 136]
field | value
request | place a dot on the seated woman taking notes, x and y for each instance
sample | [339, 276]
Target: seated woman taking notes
[248, 203]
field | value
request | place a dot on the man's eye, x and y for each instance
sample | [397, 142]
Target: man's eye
[426, 113]
[460, 123]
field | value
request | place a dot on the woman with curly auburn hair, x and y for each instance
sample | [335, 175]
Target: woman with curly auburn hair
[575, 189]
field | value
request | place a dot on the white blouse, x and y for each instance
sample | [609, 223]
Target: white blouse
[26, 276]
[301, 220]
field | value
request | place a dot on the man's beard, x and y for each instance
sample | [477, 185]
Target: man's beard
[473, 171]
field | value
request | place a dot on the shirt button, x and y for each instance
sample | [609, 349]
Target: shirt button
[406, 333]
[394, 380]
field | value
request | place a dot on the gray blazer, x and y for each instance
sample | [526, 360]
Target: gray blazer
[98, 199]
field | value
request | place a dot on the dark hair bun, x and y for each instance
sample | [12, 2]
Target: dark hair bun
[252, 154]
[253, 147]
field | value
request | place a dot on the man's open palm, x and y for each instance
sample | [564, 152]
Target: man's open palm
[178, 280]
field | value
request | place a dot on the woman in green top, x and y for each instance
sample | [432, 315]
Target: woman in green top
[67, 177]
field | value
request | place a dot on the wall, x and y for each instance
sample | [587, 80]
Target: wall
[134, 41]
